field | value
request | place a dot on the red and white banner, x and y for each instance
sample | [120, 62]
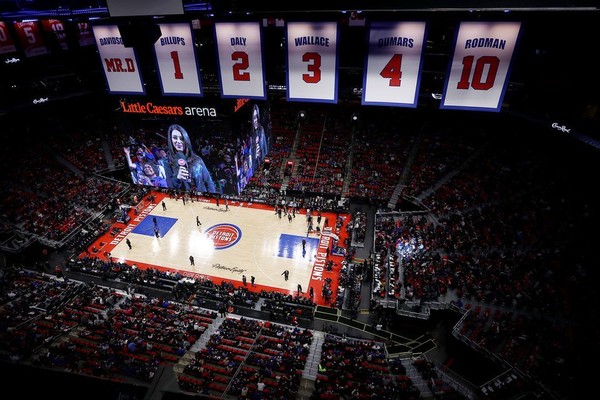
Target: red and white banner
[393, 65]
[176, 60]
[239, 55]
[31, 38]
[312, 61]
[480, 66]
[119, 62]
[85, 37]
[57, 28]
[6, 43]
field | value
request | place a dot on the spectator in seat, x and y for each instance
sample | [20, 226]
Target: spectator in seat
[151, 175]
[142, 154]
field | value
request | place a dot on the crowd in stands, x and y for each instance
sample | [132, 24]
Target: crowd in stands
[287, 308]
[94, 330]
[358, 226]
[357, 369]
[508, 229]
[249, 359]
[89, 329]
[196, 291]
[380, 150]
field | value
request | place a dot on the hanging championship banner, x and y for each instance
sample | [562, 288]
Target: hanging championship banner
[239, 55]
[6, 43]
[312, 61]
[119, 62]
[393, 65]
[31, 38]
[480, 66]
[176, 61]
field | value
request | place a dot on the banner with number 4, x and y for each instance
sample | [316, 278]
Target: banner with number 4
[393, 66]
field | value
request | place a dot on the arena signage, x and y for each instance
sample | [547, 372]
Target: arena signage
[224, 236]
[149, 107]
[239, 103]
[561, 128]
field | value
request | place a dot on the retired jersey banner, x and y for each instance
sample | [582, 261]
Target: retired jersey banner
[119, 62]
[85, 37]
[480, 65]
[31, 38]
[57, 28]
[312, 59]
[176, 60]
[6, 43]
[239, 55]
[393, 65]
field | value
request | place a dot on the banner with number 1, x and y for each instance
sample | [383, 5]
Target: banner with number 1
[176, 61]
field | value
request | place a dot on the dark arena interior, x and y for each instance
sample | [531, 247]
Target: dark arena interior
[299, 200]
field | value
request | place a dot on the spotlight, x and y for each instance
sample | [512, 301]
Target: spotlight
[354, 117]
[301, 115]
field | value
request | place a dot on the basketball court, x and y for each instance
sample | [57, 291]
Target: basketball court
[231, 241]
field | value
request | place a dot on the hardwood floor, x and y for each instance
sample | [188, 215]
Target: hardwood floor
[232, 241]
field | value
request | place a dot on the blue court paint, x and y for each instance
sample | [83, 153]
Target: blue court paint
[146, 227]
[290, 246]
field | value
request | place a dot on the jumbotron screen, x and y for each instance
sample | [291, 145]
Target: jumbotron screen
[215, 156]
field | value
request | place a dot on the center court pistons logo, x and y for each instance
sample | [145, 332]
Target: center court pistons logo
[224, 236]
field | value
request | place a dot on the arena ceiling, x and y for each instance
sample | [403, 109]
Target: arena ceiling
[554, 71]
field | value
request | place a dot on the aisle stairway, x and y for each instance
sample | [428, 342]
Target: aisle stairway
[286, 179]
[405, 172]
[311, 368]
[417, 379]
[198, 346]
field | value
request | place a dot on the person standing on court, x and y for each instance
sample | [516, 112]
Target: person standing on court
[192, 260]
[198, 223]
[164, 206]
[286, 274]
[299, 289]
[128, 243]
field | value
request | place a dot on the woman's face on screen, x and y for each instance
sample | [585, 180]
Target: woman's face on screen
[177, 139]
[149, 170]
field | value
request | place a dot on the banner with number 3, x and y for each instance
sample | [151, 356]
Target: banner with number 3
[312, 54]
